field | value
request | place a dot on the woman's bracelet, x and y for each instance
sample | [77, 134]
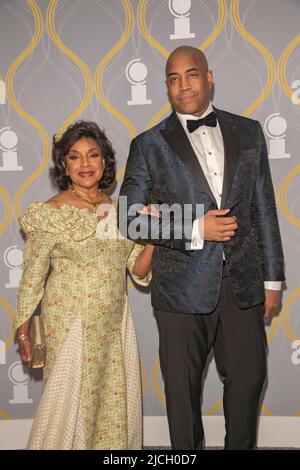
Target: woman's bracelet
[22, 337]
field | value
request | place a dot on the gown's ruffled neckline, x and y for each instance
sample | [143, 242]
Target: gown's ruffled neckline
[78, 223]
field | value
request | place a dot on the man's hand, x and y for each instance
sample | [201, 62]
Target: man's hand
[213, 226]
[271, 303]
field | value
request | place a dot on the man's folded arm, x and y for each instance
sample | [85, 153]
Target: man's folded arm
[172, 229]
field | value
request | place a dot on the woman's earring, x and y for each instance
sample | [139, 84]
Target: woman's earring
[68, 177]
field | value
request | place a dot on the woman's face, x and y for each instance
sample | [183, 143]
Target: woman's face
[84, 163]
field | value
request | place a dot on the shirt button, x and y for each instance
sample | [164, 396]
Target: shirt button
[209, 153]
[203, 133]
[216, 174]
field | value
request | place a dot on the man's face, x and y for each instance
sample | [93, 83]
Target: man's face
[189, 84]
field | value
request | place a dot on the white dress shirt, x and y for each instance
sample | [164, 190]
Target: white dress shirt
[207, 143]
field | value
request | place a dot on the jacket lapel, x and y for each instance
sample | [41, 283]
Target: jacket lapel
[230, 134]
[176, 137]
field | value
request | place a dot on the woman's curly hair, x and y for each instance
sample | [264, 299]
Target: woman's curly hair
[61, 146]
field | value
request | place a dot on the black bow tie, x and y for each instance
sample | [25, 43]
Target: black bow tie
[209, 120]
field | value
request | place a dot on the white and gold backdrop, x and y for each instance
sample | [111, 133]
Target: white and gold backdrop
[103, 60]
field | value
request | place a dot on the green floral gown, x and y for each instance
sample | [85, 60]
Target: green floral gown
[77, 267]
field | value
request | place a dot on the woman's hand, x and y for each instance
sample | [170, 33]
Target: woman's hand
[25, 350]
[24, 342]
[142, 264]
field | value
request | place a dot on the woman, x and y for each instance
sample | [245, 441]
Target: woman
[91, 397]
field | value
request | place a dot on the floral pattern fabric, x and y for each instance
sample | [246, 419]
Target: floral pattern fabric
[78, 271]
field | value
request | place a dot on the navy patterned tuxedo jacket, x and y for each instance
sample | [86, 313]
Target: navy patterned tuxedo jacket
[163, 168]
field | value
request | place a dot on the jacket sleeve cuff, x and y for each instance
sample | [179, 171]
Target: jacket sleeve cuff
[196, 240]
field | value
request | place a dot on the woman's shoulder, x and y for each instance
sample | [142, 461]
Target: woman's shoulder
[38, 207]
[32, 218]
[56, 201]
[36, 215]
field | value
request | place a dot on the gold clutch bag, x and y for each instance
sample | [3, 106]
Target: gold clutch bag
[38, 342]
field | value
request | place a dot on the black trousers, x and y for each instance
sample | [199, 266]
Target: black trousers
[239, 343]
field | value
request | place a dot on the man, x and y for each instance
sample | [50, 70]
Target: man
[216, 294]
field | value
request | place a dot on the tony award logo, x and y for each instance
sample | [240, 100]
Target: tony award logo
[275, 127]
[20, 380]
[136, 73]
[8, 145]
[13, 258]
[2, 92]
[180, 9]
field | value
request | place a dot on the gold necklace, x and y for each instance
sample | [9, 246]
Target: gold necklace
[88, 201]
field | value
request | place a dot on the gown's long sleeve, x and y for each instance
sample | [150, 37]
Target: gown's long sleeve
[36, 263]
